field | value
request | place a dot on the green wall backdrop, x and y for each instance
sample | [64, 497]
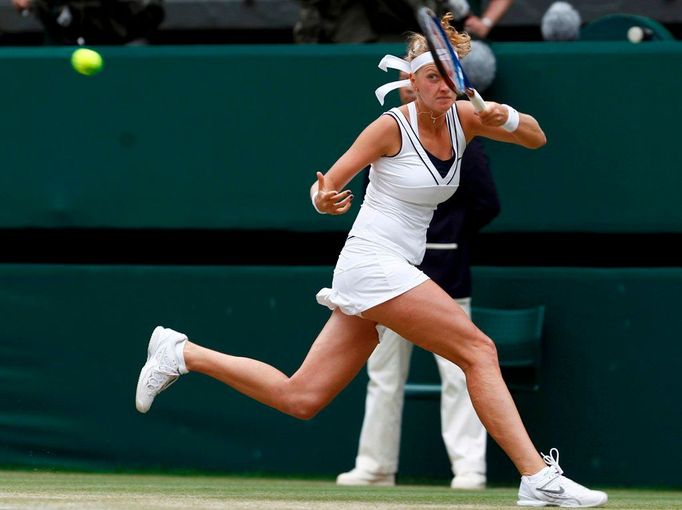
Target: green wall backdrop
[229, 138]
[73, 338]
[202, 132]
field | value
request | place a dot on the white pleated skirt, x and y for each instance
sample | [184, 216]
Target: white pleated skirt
[367, 275]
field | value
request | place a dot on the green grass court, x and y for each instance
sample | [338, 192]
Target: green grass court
[43, 490]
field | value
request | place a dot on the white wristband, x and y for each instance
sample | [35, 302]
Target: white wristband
[487, 22]
[513, 119]
[313, 197]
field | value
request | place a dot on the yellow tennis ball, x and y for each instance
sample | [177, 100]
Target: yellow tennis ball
[87, 62]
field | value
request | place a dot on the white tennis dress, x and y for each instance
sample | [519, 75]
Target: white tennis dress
[388, 237]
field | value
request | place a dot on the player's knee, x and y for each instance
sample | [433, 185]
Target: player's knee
[303, 405]
[484, 352]
[305, 409]
[306, 413]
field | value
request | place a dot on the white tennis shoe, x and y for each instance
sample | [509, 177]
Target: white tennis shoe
[550, 488]
[360, 477]
[468, 481]
[164, 365]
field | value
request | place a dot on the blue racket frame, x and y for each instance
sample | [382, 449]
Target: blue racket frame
[459, 83]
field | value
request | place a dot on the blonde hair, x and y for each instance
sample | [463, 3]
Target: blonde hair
[461, 41]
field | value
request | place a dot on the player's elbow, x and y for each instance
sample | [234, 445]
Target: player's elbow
[304, 410]
[301, 403]
[537, 141]
[542, 141]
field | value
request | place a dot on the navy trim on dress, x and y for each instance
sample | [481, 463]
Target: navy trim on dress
[454, 143]
[393, 116]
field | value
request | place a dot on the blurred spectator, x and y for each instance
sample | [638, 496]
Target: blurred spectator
[71, 22]
[561, 22]
[359, 21]
[391, 19]
[478, 25]
[333, 21]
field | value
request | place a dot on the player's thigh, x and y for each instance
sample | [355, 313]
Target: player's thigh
[337, 355]
[392, 355]
[428, 317]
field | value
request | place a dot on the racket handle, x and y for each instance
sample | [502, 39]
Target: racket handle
[476, 100]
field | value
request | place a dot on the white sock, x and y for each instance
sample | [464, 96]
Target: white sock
[539, 475]
[179, 354]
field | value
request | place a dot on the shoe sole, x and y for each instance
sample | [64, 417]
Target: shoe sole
[154, 341]
[366, 484]
[363, 482]
[139, 405]
[539, 504]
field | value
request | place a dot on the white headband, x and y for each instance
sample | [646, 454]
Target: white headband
[392, 62]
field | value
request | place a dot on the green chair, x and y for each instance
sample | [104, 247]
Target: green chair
[614, 27]
[517, 334]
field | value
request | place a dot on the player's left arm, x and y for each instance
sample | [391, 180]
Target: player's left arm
[380, 138]
[489, 122]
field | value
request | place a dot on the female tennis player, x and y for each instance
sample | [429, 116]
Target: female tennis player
[415, 153]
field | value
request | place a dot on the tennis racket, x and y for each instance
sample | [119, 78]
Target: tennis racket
[446, 59]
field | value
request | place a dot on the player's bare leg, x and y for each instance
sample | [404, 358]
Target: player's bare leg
[337, 355]
[431, 319]
[428, 317]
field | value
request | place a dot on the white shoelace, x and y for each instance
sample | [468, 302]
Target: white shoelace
[553, 462]
[573, 490]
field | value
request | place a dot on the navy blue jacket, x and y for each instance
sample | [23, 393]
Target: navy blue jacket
[458, 220]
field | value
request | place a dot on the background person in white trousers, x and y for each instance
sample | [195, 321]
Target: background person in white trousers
[447, 262]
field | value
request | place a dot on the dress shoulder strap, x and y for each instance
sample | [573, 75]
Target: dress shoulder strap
[414, 120]
[456, 130]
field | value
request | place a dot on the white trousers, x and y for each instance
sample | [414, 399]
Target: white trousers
[463, 433]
